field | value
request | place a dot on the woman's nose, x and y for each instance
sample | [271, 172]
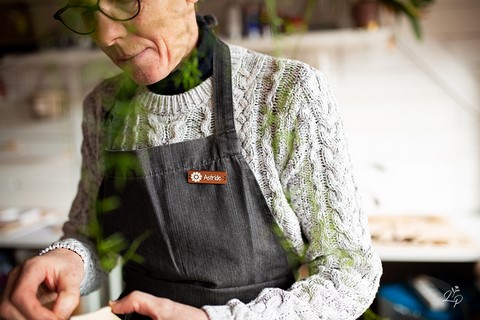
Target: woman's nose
[107, 31]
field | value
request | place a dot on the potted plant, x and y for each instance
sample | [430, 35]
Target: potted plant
[365, 12]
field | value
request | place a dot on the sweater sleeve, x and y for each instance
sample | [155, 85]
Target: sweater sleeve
[83, 206]
[317, 179]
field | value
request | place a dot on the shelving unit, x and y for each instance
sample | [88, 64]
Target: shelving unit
[324, 50]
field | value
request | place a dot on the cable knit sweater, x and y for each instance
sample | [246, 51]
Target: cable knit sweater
[292, 138]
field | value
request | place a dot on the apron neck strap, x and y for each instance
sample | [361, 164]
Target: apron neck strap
[222, 85]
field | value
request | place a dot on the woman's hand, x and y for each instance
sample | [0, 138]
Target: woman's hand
[156, 308]
[53, 277]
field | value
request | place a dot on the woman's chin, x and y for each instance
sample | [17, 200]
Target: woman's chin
[142, 81]
[145, 78]
[143, 72]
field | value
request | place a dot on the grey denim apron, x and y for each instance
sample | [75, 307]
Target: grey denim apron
[208, 243]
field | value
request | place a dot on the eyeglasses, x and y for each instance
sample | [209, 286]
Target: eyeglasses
[80, 18]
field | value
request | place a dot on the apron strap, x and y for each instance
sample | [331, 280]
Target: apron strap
[222, 85]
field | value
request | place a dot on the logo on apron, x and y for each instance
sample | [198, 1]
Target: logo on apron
[207, 177]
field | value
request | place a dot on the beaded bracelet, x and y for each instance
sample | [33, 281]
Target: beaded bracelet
[64, 245]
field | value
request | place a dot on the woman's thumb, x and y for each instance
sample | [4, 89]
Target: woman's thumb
[119, 307]
[133, 302]
[66, 303]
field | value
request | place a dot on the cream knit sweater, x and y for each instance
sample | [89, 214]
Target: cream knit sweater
[292, 138]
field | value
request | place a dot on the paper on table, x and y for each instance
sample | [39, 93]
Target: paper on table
[103, 314]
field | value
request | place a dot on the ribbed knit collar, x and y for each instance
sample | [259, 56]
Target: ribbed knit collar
[194, 70]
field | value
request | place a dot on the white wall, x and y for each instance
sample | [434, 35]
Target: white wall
[426, 145]
[414, 111]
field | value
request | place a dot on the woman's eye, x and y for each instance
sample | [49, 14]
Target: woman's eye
[87, 14]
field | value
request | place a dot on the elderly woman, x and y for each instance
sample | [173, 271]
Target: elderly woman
[247, 143]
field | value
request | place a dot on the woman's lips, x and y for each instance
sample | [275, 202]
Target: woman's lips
[128, 58]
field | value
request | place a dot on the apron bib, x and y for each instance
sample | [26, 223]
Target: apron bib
[209, 228]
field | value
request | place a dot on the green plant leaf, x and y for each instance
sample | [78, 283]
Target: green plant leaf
[411, 9]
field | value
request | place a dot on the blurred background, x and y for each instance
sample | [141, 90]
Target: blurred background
[406, 75]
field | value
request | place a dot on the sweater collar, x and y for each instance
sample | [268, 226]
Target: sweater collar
[193, 70]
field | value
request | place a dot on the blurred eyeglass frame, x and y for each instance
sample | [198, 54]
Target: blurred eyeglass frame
[91, 9]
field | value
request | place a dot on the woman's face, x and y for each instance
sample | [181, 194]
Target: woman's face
[151, 45]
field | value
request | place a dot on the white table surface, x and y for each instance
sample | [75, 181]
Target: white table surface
[468, 225]
[38, 238]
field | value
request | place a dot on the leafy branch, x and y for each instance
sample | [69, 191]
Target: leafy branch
[412, 10]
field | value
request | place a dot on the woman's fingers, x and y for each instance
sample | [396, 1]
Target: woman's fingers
[12, 306]
[7, 310]
[143, 303]
[46, 295]
[156, 308]
[55, 276]
[12, 278]
[24, 297]
[68, 297]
